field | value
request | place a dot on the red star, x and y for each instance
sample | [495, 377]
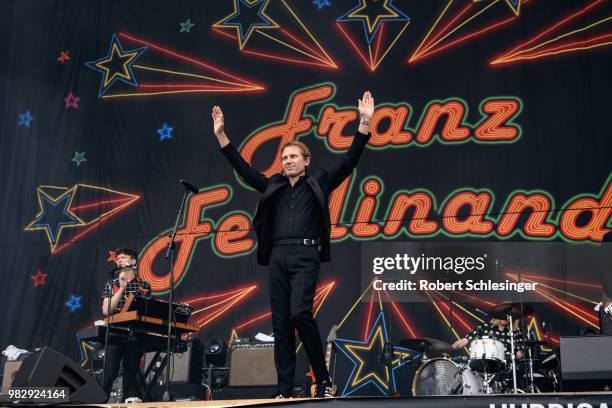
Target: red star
[71, 101]
[64, 55]
[39, 278]
[112, 256]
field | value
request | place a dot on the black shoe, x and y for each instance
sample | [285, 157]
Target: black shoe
[325, 390]
[281, 396]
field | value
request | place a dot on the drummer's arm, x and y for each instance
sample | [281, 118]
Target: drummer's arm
[461, 343]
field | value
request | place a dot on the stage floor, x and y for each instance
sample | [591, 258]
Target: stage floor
[552, 400]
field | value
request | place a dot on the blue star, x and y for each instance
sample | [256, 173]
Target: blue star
[364, 356]
[54, 215]
[372, 13]
[116, 65]
[25, 119]
[252, 15]
[321, 3]
[73, 303]
[165, 132]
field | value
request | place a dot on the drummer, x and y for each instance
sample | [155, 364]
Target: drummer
[497, 329]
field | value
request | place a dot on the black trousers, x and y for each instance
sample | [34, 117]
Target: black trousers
[130, 354]
[294, 272]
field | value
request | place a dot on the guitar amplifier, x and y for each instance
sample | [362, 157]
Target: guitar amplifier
[252, 364]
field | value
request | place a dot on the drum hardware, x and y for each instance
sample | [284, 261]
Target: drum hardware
[442, 376]
[512, 357]
[427, 346]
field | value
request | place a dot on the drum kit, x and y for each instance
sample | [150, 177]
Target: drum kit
[488, 369]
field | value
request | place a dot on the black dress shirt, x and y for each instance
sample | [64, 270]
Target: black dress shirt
[296, 213]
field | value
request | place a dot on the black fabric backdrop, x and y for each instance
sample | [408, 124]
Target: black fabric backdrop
[563, 147]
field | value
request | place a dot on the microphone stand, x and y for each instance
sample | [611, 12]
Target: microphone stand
[170, 253]
[107, 334]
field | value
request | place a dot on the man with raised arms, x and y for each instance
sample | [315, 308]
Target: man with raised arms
[292, 224]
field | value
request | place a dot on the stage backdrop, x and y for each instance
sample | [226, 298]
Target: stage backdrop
[492, 124]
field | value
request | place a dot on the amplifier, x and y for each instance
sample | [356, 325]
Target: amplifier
[252, 364]
[586, 358]
[186, 367]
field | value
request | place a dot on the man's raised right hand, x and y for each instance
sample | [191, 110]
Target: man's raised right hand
[218, 121]
[219, 126]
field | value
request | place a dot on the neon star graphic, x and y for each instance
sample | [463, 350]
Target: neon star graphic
[74, 303]
[379, 23]
[64, 56]
[66, 214]
[54, 215]
[321, 3]
[79, 157]
[39, 278]
[165, 132]
[186, 26]
[364, 357]
[252, 15]
[25, 119]
[372, 13]
[116, 65]
[179, 74]
[253, 25]
[71, 101]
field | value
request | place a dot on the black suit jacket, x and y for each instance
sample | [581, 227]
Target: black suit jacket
[321, 181]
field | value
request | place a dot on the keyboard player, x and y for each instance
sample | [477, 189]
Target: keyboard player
[129, 353]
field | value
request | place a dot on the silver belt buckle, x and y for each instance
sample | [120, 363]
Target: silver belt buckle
[306, 241]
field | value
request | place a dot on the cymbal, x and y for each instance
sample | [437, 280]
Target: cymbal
[427, 345]
[502, 310]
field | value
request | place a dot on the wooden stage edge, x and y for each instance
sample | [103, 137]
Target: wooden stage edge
[543, 400]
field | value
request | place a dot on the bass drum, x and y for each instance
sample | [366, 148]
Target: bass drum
[441, 376]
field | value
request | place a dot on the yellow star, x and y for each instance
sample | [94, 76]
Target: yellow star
[372, 25]
[128, 57]
[377, 341]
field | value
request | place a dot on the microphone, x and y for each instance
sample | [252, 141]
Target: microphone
[189, 186]
[118, 268]
[544, 326]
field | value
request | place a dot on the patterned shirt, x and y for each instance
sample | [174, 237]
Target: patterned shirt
[137, 286]
[494, 332]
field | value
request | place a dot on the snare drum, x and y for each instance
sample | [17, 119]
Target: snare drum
[441, 376]
[487, 355]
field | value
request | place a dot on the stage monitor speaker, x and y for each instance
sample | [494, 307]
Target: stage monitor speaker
[187, 366]
[50, 368]
[586, 358]
[252, 364]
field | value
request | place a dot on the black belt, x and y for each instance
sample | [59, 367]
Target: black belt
[298, 241]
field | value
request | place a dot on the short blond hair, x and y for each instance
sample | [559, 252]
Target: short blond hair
[303, 148]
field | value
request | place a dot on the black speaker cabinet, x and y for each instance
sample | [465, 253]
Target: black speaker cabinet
[50, 368]
[252, 364]
[586, 357]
